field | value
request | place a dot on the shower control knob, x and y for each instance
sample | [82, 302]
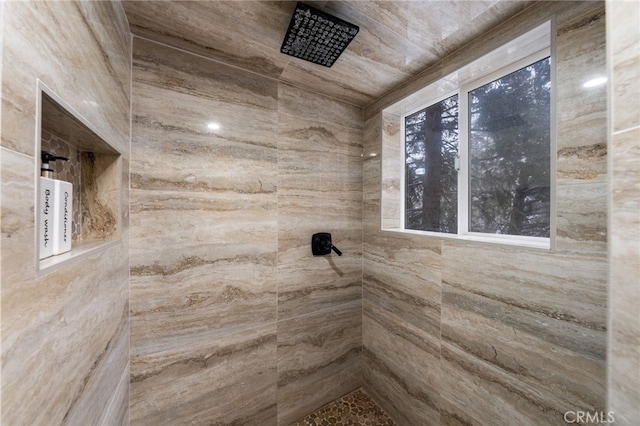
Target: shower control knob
[321, 244]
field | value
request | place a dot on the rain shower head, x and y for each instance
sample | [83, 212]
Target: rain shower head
[316, 36]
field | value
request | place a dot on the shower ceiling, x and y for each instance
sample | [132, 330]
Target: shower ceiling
[397, 39]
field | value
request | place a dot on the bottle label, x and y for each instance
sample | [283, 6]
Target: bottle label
[46, 217]
[65, 231]
[45, 236]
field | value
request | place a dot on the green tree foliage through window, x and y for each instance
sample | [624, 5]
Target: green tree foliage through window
[431, 147]
[509, 141]
[508, 159]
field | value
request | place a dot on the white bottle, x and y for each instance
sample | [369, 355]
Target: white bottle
[62, 216]
[56, 210]
[45, 216]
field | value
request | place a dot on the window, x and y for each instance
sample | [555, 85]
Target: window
[431, 178]
[507, 163]
[471, 155]
[509, 153]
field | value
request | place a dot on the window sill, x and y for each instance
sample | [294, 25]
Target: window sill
[504, 240]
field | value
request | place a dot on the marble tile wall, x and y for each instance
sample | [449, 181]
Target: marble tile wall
[470, 333]
[233, 320]
[64, 332]
[203, 241]
[319, 298]
[623, 374]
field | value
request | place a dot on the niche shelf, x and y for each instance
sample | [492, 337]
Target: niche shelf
[95, 170]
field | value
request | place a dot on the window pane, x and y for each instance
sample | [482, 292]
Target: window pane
[431, 180]
[509, 146]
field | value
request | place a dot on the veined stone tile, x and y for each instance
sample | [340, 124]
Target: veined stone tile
[305, 105]
[307, 139]
[402, 276]
[180, 310]
[117, 413]
[76, 315]
[372, 137]
[318, 176]
[623, 31]
[18, 222]
[99, 89]
[582, 218]
[103, 389]
[584, 164]
[625, 55]
[564, 362]
[581, 112]
[232, 224]
[625, 221]
[538, 326]
[110, 15]
[64, 330]
[231, 379]
[172, 147]
[392, 288]
[215, 271]
[558, 298]
[173, 23]
[200, 163]
[624, 294]
[308, 209]
[319, 190]
[371, 189]
[199, 77]
[479, 46]
[371, 172]
[392, 167]
[438, 24]
[308, 283]
[401, 367]
[307, 145]
[474, 392]
[383, 35]
[318, 359]
[340, 81]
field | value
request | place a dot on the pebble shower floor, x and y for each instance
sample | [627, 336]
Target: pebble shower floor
[355, 408]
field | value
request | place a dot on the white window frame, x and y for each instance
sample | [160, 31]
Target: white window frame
[463, 154]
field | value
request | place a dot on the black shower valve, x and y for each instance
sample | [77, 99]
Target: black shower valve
[321, 244]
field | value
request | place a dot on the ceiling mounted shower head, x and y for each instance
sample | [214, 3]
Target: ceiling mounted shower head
[316, 36]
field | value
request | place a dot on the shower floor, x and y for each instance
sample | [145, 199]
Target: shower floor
[355, 408]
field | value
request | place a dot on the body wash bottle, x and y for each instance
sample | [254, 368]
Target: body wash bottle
[56, 207]
[45, 215]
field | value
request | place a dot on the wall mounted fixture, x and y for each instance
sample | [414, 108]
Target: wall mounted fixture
[321, 244]
[316, 36]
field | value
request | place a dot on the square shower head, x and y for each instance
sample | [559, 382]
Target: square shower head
[316, 36]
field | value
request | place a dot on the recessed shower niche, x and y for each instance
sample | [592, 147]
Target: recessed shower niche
[91, 165]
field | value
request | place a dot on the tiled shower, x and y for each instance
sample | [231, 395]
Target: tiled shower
[222, 310]
[209, 307]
